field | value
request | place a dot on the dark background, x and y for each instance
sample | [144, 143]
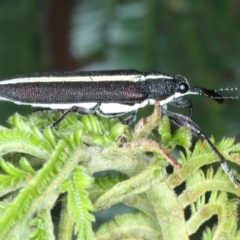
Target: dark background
[197, 39]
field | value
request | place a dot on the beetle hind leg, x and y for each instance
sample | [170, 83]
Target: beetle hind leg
[128, 120]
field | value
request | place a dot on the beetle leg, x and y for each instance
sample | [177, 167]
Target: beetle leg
[131, 118]
[80, 110]
[128, 120]
[183, 121]
[183, 102]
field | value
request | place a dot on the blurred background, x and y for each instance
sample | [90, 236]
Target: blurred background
[197, 39]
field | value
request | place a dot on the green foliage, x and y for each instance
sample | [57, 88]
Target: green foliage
[128, 225]
[79, 205]
[39, 163]
[41, 226]
[180, 137]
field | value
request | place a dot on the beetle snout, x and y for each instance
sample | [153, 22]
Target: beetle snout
[207, 93]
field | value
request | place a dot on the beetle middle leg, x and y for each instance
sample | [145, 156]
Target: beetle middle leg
[80, 110]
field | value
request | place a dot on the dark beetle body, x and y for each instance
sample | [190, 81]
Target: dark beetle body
[32, 90]
[73, 92]
[112, 93]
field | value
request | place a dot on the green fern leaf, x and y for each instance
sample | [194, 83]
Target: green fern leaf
[132, 226]
[208, 233]
[164, 130]
[26, 166]
[43, 188]
[39, 226]
[92, 125]
[15, 140]
[13, 179]
[182, 137]
[103, 184]
[79, 205]
[10, 169]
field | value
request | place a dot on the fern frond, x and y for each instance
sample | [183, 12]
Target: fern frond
[79, 205]
[10, 169]
[24, 163]
[164, 130]
[42, 225]
[15, 140]
[208, 233]
[135, 185]
[197, 177]
[73, 153]
[103, 184]
[200, 183]
[134, 226]
[14, 177]
[220, 205]
[201, 155]
[66, 224]
[180, 137]
[42, 187]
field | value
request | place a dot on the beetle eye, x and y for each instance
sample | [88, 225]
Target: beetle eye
[183, 87]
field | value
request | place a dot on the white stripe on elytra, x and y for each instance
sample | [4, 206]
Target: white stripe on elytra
[53, 105]
[131, 78]
[157, 76]
[104, 107]
[119, 108]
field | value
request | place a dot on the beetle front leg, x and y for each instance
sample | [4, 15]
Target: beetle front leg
[183, 121]
[183, 102]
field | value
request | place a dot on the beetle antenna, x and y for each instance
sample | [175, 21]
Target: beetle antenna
[214, 94]
[231, 89]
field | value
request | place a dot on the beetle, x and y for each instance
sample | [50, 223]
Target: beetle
[113, 94]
